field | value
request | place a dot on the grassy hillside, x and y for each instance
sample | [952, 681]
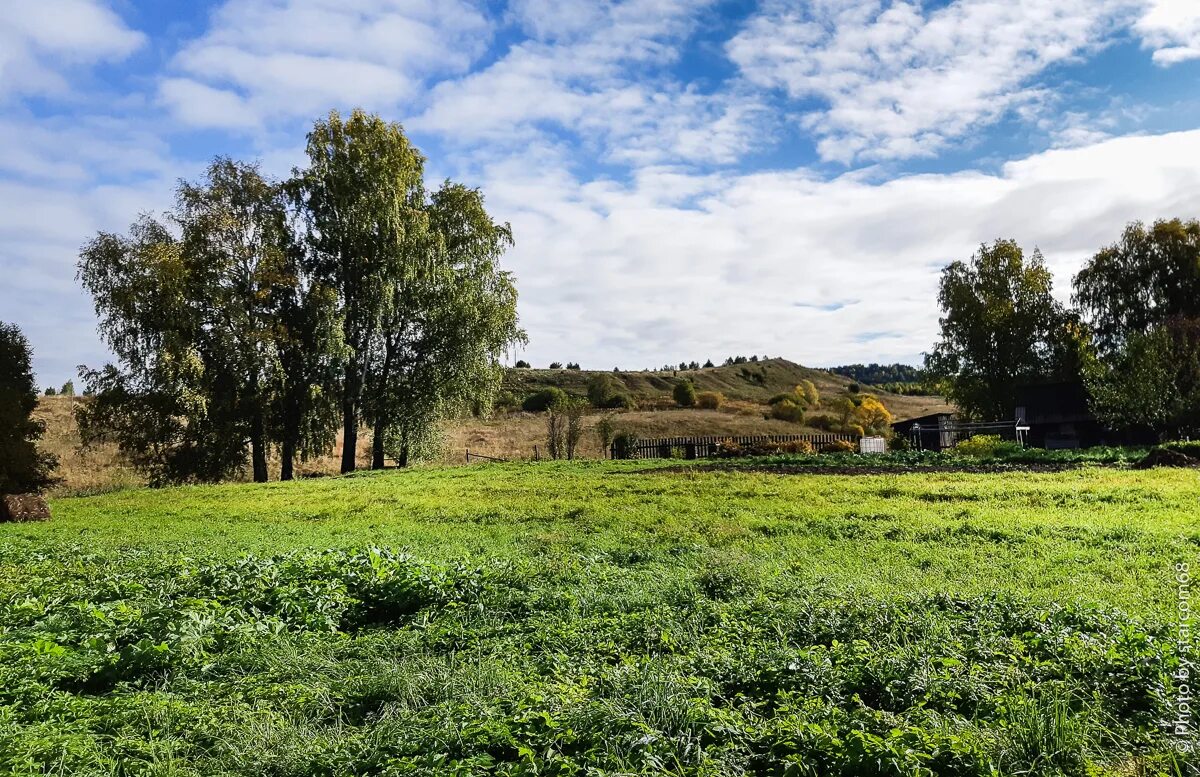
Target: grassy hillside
[755, 382]
[513, 435]
[600, 618]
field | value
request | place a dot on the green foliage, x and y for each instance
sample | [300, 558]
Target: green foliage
[788, 410]
[369, 660]
[1001, 327]
[1186, 447]
[220, 341]
[50, 391]
[621, 401]
[709, 400]
[564, 427]
[986, 446]
[624, 444]
[22, 467]
[364, 166]
[1149, 277]
[544, 400]
[601, 387]
[1152, 381]
[605, 391]
[556, 365]
[68, 389]
[521, 364]
[605, 431]
[684, 393]
[878, 374]
[453, 315]
[387, 307]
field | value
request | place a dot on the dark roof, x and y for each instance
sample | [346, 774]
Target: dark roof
[925, 420]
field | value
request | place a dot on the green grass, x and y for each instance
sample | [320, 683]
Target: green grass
[601, 618]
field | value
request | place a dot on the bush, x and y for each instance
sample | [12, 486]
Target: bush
[838, 446]
[710, 400]
[623, 445]
[784, 397]
[788, 410]
[506, 400]
[601, 388]
[684, 393]
[824, 422]
[1189, 448]
[544, 400]
[986, 446]
[573, 366]
[521, 364]
[556, 365]
[620, 401]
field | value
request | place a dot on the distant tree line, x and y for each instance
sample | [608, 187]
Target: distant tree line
[879, 374]
[264, 315]
[1131, 333]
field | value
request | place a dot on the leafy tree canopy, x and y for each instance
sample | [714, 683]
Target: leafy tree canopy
[1000, 327]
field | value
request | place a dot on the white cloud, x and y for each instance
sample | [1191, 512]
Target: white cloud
[61, 180]
[40, 40]
[677, 266]
[1172, 29]
[599, 71]
[895, 81]
[264, 60]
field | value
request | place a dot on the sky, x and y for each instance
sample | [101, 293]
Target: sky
[685, 179]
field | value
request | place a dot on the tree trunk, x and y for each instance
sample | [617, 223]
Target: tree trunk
[403, 460]
[377, 444]
[349, 436]
[288, 452]
[258, 449]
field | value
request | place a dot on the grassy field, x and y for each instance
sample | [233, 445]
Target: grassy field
[601, 618]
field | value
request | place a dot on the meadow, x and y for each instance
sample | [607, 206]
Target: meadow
[603, 618]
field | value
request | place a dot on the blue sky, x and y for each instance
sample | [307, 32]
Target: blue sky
[685, 179]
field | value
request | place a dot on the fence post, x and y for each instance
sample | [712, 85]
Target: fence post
[468, 455]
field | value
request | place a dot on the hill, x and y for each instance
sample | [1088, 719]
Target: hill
[754, 382]
[514, 434]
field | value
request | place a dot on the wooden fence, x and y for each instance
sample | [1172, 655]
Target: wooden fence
[703, 447]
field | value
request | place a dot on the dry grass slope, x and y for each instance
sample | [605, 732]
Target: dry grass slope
[514, 435]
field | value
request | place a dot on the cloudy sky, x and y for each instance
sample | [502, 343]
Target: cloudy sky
[685, 179]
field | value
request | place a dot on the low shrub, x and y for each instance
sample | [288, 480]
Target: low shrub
[684, 393]
[544, 400]
[986, 446]
[710, 400]
[823, 421]
[623, 445]
[1189, 448]
[731, 449]
[838, 446]
[620, 402]
[506, 400]
[788, 410]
